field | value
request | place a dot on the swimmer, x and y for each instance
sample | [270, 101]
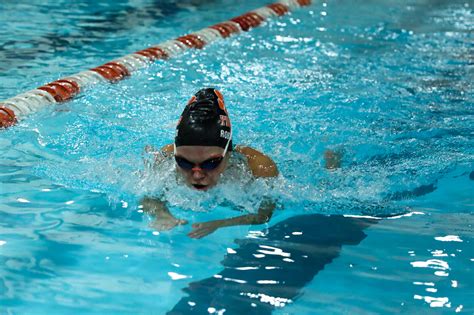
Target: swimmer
[202, 150]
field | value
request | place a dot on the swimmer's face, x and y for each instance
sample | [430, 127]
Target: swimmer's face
[198, 177]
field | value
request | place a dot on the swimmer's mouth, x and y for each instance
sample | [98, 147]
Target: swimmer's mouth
[200, 187]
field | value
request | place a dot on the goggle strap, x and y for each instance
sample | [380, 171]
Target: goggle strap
[227, 145]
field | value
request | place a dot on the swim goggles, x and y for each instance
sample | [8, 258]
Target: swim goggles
[207, 165]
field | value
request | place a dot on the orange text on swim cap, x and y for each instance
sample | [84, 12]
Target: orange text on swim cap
[224, 121]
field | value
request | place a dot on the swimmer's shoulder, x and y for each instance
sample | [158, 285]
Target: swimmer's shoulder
[168, 149]
[260, 164]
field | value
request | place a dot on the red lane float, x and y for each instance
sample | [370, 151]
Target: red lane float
[192, 41]
[248, 20]
[226, 29]
[61, 90]
[112, 71]
[279, 8]
[153, 53]
[7, 117]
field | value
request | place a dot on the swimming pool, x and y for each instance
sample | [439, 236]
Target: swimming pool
[387, 83]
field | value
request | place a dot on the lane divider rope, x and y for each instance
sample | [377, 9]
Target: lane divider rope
[64, 89]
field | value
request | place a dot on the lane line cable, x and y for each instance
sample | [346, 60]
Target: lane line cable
[64, 89]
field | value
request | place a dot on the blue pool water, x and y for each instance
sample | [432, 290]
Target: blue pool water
[386, 83]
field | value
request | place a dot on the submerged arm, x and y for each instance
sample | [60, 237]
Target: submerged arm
[263, 215]
[164, 220]
[261, 166]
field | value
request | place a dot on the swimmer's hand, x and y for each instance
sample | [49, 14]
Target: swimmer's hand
[164, 219]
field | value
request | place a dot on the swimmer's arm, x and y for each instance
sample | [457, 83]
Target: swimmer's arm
[168, 149]
[264, 215]
[165, 152]
[260, 164]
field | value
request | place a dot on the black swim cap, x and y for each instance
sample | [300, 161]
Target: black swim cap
[204, 121]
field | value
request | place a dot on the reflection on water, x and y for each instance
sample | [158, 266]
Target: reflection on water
[440, 267]
[86, 26]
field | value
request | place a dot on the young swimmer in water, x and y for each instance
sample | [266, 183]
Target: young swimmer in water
[202, 149]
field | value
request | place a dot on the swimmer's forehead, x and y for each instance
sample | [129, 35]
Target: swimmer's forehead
[198, 150]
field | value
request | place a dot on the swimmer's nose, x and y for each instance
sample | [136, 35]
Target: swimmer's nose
[197, 173]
